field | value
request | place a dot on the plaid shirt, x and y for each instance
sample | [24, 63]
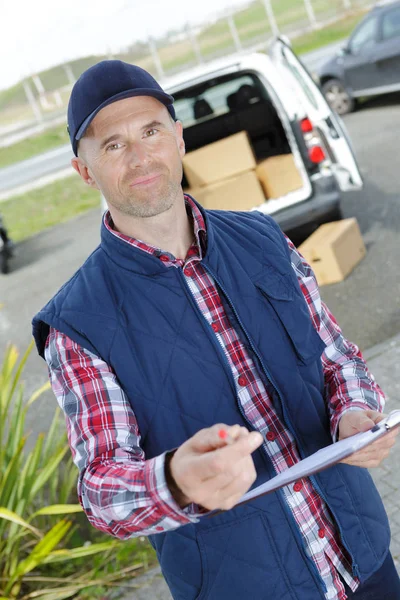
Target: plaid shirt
[126, 495]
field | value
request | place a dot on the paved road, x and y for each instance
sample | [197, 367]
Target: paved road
[367, 304]
[15, 176]
[24, 172]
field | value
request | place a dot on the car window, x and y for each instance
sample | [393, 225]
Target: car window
[391, 24]
[192, 107]
[364, 37]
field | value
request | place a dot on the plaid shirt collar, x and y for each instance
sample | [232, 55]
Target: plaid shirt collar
[198, 247]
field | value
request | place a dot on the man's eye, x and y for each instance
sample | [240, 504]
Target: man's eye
[151, 132]
[114, 146]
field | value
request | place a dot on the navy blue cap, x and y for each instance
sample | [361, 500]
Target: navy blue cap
[104, 83]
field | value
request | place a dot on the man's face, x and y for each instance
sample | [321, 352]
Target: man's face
[133, 153]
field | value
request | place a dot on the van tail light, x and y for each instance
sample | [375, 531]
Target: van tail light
[314, 144]
[306, 126]
[316, 154]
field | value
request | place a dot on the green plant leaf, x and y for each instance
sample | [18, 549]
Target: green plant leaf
[33, 473]
[53, 594]
[58, 509]
[37, 394]
[40, 552]
[20, 368]
[14, 518]
[65, 555]
[46, 472]
[11, 476]
[17, 424]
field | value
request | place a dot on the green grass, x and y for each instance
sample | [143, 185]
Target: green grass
[51, 138]
[328, 35]
[38, 209]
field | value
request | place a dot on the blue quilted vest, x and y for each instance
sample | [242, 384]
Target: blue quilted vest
[140, 317]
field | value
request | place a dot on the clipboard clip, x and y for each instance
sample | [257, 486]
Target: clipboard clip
[392, 421]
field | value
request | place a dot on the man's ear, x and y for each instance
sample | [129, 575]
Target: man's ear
[181, 141]
[84, 171]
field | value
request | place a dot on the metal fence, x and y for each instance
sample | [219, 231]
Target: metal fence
[42, 98]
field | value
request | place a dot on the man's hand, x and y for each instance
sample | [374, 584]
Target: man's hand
[355, 421]
[212, 473]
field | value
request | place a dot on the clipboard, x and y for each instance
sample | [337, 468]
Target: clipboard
[324, 458]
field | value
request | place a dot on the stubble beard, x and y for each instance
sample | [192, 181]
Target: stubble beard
[148, 204]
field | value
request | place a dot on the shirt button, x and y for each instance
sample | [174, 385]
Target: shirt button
[242, 381]
[298, 486]
[321, 533]
[271, 436]
[159, 528]
[164, 258]
[188, 271]
[215, 327]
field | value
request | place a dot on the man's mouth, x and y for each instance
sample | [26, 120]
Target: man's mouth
[145, 180]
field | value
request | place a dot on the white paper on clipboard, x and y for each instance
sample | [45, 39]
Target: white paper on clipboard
[326, 457]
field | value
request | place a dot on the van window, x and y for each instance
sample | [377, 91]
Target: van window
[391, 24]
[292, 63]
[217, 99]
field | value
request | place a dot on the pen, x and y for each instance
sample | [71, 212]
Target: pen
[224, 435]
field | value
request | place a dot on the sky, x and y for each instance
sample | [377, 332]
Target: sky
[38, 34]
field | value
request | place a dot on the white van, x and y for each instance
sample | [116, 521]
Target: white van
[274, 99]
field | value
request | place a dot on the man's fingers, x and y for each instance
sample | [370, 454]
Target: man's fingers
[373, 455]
[223, 460]
[366, 462]
[216, 436]
[221, 493]
[358, 421]
[212, 492]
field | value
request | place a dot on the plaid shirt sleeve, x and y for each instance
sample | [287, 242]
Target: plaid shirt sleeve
[349, 385]
[120, 491]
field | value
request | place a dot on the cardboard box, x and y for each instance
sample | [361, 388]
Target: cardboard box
[226, 158]
[333, 250]
[243, 192]
[279, 175]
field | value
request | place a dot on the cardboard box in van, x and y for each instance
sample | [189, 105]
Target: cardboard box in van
[279, 175]
[333, 250]
[243, 192]
[226, 158]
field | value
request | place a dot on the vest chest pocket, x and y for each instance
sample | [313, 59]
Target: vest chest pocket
[291, 312]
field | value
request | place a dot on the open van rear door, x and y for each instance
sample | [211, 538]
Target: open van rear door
[329, 124]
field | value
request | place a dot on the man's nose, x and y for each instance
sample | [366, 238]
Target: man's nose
[139, 155]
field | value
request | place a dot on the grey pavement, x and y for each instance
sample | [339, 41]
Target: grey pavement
[384, 362]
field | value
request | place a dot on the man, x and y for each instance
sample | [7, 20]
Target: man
[193, 358]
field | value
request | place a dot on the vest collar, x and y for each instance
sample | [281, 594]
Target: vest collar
[136, 260]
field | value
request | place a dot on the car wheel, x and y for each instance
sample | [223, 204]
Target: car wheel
[338, 97]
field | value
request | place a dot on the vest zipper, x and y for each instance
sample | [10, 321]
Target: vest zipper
[267, 374]
[215, 341]
[311, 563]
[355, 569]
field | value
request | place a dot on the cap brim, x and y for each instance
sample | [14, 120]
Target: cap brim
[165, 99]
